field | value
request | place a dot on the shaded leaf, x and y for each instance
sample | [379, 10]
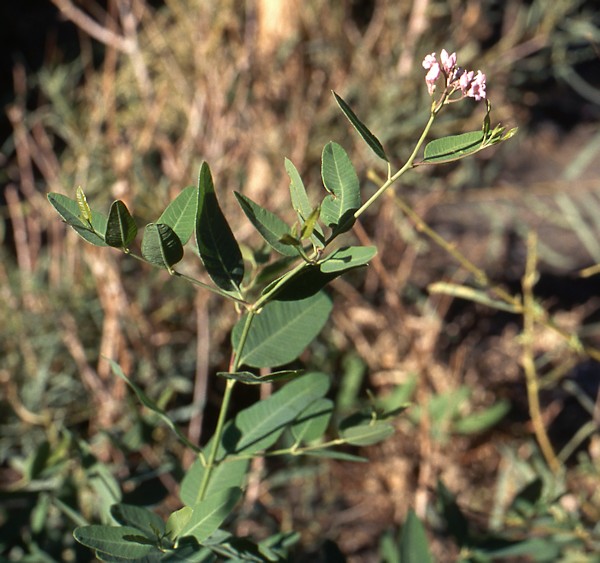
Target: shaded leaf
[367, 434]
[149, 523]
[177, 521]
[281, 332]
[482, 420]
[120, 227]
[335, 454]
[270, 227]
[218, 248]
[362, 129]
[253, 379]
[413, 541]
[312, 422]
[300, 201]
[161, 246]
[453, 147]
[69, 210]
[180, 214]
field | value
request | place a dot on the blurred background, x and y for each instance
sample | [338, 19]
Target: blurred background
[127, 97]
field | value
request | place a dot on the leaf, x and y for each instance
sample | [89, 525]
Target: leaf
[334, 454]
[260, 425]
[482, 420]
[281, 332]
[147, 402]
[453, 147]
[177, 521]
[367, 434]
[161, 246]
[413, 541]
[225, 475]
[472, 294]
[362, 129]
[180, 214]
[147, 522]
[68, 209]
[456, 521]
[120, 227]
[210, 513]
[119, 541]
[253, 379]
[312, 422]
[270, 227]
[347, 258]
[341, 181]
[84, 209]
[218, 248]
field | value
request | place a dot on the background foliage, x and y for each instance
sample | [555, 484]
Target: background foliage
[197, 81]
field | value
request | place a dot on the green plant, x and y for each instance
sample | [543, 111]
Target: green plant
[279, 316]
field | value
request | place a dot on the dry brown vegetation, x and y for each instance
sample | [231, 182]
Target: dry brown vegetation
[241, 85]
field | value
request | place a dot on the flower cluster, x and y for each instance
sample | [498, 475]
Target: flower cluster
[471, 84]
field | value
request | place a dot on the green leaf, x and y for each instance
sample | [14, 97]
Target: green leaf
[253, 379]
[84, 209]
[149, 403]
[177, 521]
[270, 227]
[280, 333]
[456, 521]
[147, 522]
[161, 246]
[260, 425]
[119, 541]
[482, 420]
[334, 454]
[189, 551]
[120, 227]
[362, 129]
[341, 181]
[453, 147]
[218, 248]
[312, 422]
[210, 513]
[225, 475]
[69, 210]
[367, 434]
[180, 214]
[413, 541]
[347, 258]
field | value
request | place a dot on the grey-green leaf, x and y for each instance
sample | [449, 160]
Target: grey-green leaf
[69, 210]
[347, 258]
[120, 227]
[300, 201]
[147, 522]
[270, 227]
[341, 181]
[210, 513]
[218, 248]
[283, 329]
[453, 147]
[413, 541]
[252, 379]
[180, 214]
[312, 422]
[367, 434]
[177, 521]
[362, 129]
[161, 246]
[120, 541]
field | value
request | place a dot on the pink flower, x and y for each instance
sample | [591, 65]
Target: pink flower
[477, 88]
[429, 61]
[448, 62]
[432, 76]
[465, 81]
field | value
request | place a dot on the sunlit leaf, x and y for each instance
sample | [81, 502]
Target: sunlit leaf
[253, 379]
[453, 147]
[312, 422]
[218, 248]
[367, 434]
[120, 227]
[69, 210]
[362, 129]
[281, 332]
[120, 541]
[348, 258]
[177, 521]
[180, 214]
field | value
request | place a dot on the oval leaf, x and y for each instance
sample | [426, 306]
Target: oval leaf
[218, 248]
[180, 214]
[270, 227]
[347, 258]
[367, 434]
[69, 210]
[341, 181]
[280, 333]
[147, 522]
[312, 422]
[177, 521]
[161, 246]
[362, 129]
[453, 147]
[413, 541]
[253, 379]
[120, 227]
[118, 541]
